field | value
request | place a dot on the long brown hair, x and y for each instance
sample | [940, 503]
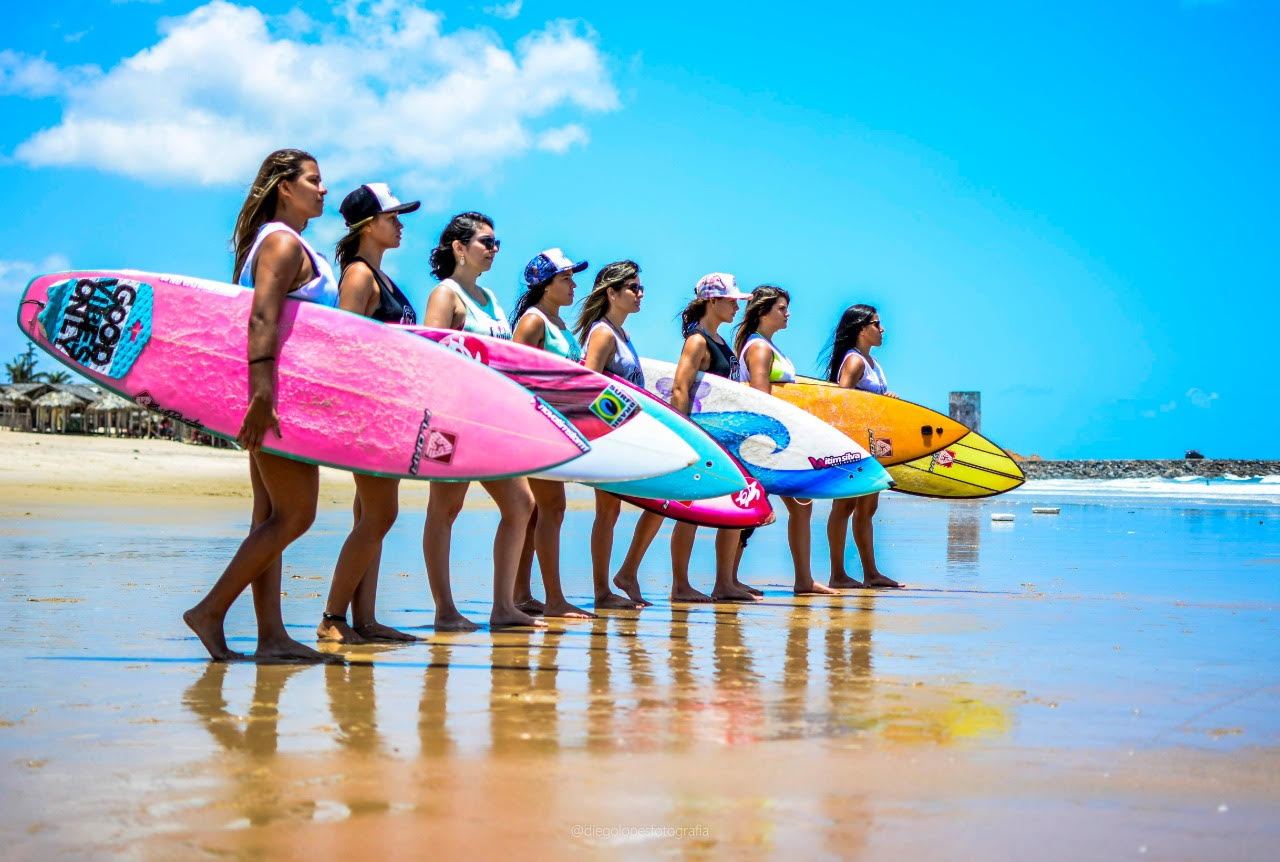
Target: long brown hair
[344, 253]
[852, 322]
[596, 305]
[693, 312]
[259, 207]
[762, 301]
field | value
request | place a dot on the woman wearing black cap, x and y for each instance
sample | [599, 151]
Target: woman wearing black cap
[372, 215]
[537, 320]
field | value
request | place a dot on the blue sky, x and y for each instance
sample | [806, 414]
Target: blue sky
[1071, 208]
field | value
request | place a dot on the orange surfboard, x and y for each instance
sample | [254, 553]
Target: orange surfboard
[893, 430]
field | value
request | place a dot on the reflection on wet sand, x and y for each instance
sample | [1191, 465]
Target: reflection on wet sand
[964, 537]
[433, 710]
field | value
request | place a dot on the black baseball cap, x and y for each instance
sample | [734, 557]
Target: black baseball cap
[372, 199]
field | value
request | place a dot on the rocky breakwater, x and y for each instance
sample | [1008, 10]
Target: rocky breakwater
[1167, 469]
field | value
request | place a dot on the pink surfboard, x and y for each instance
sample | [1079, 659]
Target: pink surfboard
[351, 392]
[749, 507]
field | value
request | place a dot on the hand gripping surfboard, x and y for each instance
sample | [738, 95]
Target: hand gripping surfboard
[351, 392]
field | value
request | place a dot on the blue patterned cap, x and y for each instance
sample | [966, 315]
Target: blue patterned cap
[548, 264]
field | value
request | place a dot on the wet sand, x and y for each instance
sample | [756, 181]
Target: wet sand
[1099, 684]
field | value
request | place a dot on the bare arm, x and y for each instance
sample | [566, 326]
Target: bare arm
[851, 370]
[358, 291]
[695, 357]
[759, 359]
[531, 330]
[442, 309]
[278, 269]
[600, 347]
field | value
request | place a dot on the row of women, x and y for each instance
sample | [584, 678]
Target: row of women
[275, 261]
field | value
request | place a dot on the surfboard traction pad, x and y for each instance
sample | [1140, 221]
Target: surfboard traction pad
[101, 324]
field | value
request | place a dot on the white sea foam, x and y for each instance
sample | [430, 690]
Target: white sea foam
[1255, 489]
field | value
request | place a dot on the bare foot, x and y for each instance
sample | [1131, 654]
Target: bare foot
[378, 633]
[733, 594]
[210, 633]
[813, 588]
[614, 602]
[740, 585]
[632, 589]
[337, 631]
[568, 611]
[532, 606]
[454, 622]
[690, 595]
[844, 582]
[513, 618]
[288, 650]
[879, 581]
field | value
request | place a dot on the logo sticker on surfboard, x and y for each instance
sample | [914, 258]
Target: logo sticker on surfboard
[748, 495]
[881, 448]
[945, 458]
[613, 406]
[472, 348]
[432, 444]
[101, 324]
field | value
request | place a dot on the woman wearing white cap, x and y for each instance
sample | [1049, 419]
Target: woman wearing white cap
[760, 365]
[465, 252]
[550, 286]
[614, 297]
[715, 303]
[372, 214]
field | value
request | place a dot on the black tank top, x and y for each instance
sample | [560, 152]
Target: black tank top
[723, 362]
[393, 306]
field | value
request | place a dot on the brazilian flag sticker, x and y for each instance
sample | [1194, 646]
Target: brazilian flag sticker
[614, 407]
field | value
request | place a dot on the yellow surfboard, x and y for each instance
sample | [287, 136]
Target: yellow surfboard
[893, 430]
[972, 467]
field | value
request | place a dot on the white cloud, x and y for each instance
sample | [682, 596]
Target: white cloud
[1167, 407]
[383, 93]
[14, 274]
[36, 77]
[1200, 398]
[506, 11]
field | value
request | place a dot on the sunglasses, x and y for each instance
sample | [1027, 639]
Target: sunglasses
[490, 242]
[637, 289]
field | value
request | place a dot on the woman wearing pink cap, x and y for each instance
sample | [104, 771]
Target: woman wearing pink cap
[715, 303]
[550, 286]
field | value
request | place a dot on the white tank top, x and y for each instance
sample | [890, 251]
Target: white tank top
[625, 362]
[322, 289]
[873, 379]
[781, 371]
[478, 320]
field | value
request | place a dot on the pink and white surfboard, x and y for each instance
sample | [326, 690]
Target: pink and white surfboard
[351, 392]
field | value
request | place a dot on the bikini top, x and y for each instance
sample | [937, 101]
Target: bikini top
[488, 319]
[556, 340]
[393, 305]
[323, 288]
[781, 371]
[625, 362]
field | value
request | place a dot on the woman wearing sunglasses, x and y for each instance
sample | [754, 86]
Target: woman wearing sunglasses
[465, 251]
[614, 297]
[550, 286]
[715, 303]
[852, 367]
[760, 365]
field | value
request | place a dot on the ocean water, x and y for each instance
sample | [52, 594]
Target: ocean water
[1139, 621]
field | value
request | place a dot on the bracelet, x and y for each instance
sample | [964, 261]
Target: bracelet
[334, 618]
[262, 359]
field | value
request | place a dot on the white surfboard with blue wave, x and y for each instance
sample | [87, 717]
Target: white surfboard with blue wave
[788, 450]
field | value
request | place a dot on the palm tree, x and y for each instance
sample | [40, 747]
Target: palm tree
[54, 376]
[22, 369]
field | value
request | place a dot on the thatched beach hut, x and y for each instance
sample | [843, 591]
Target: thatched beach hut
[58, 409]
[111, 414]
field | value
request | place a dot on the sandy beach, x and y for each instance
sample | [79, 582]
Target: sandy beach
[1097, 684]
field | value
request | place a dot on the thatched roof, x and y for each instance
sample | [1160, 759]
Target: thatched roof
[111, 401]
[60, 399]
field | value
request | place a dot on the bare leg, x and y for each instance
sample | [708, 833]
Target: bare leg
[524, 570]
[799, 516]
[864, 537]
[628, 577]
[515, 504]
[837, 526]
[549, 515]
[292, 488]
[739, 549]
[726, 589]
[682, 536]
[608, 508]
[443, 506]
